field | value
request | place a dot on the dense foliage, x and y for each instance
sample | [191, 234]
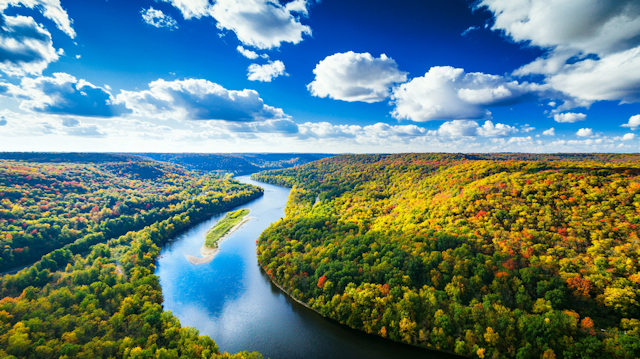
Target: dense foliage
[108, 304]
[47, 206]
[490, 259]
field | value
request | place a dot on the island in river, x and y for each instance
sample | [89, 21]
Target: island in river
[224, 227]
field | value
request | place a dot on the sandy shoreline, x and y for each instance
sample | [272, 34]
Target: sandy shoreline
[199, 260]
[208, 253]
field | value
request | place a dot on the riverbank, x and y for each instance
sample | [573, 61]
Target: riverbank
[290, 296]
[231, 300]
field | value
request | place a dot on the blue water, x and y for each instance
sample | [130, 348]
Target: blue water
[231, 299]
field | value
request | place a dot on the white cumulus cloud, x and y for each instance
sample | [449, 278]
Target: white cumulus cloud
[267, 72]
[592, 48]
[569, 117]
[192, 8]
[549, 132]
[468, 128]
[158, 19]
[63, 94]
[371, 133]
[446, 93]
[26, 47]
[197, 99]
[634, 122]
[497, 130]
[263, 24]
[629, 136]
[51, 9]
[585, 132]
[459, 128]
[355, 77]
[250, 54]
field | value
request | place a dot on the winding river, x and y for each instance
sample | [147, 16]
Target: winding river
[232, 300]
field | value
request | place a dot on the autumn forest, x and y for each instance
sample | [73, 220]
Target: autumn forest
[479, 255]
[489, 256]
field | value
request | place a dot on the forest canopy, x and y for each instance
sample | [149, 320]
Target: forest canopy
[93, 294]
[489, 256]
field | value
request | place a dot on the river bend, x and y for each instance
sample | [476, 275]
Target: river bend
[232, 300]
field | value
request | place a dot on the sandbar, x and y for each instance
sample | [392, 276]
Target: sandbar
[208, 253]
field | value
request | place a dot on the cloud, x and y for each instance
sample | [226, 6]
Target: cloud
[592, 47]
[614, 77]
[468, 30]
[520, 140]
[459, 128]
[70, 122]
[355, 77]
[447, 93]
[283, 126]
[569, 117]
[584, 26]
[375, 132]
[499, 130]
[629, 136]
[526, 128]
[263, 24]
[27, 124]
[25, 46]
[266, 72]
[87, 131]
[550, 132]
[584, 132]
[197, 99]
[51, 9]
[382, 133]
[467, 128]
[250, 54]
[192, 8]
[63, 94]
[634, 122]
[158, 19]
[327, 130]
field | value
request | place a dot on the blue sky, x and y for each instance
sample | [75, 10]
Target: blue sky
[329, 76]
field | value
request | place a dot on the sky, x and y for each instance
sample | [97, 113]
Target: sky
[320, 76]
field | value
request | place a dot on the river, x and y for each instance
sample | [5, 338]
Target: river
[232, 300]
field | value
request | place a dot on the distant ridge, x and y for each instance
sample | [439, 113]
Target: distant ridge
[69, 157]
[240, 163]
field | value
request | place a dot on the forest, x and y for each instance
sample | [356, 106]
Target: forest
[44, 207]
[487, 256]
[238, 163]
[93, 294]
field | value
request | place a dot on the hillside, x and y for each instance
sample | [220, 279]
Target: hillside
[504, 259]
[47, 206]
[239, 163]
[95, 231]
